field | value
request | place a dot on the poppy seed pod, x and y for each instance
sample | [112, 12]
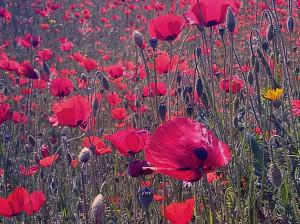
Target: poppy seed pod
[146, 197]
[162, 110]
[138, 39]
[153, 43]
[270, 33]
[275, 176]
[290, 24]
[230, 20]
[98, 208]
[84, 155]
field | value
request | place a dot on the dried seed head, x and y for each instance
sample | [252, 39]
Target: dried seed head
[84, 155]
[138, 39]
[275, 175]
[98, 208]
[230, 20]
[270, 33]
[290, 24]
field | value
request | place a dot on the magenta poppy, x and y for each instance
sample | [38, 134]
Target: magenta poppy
[181, 147]
[115, 71]
[207, 12]
[5, 112]
[166, 27]
[72, 112]
[129, 141]
[61, 87]
[236, 84]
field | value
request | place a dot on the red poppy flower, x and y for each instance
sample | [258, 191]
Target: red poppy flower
[21, 201]
[46, 54]
[295, 108]
[166, 27]
[236, 84]
[19, 117]
[5, 14]
[113, 99]
[5, 112]
[48, 161]
[73, 111]
[98, 146]
[118, 113]
[28, 171]
[179, 212]
[129, 141]
[27, 70]
[207, 12]
[61, 86]
[89, 64]
[9, 65]
[115, 71]
[181, 147]
[161, 89]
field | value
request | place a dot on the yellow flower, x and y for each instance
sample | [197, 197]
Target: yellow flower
[273, 94]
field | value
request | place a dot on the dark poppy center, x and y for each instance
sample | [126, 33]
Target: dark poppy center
[201, 153]
[212, 23]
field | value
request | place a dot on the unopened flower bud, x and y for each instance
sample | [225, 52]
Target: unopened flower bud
[84, 155]
[153, 43]
[98, 209]
[275, 176]
[138, 168]
[290, 24]
[138, 39]
[270, 33]
[230, 20]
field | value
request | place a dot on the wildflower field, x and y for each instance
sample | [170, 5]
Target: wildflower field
[149, 111]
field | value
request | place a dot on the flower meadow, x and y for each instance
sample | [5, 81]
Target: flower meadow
[150, 111]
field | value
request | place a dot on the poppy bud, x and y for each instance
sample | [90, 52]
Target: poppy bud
[137, 168]
[95, 104]
[36, 158]
[199, 87]
[221, 31]
[98, 208]
[189, 110]
[31, 141]
[162, 110]
[146, 197]
[265, 45]
[270, 33]
[46, 68]
[84, 77]
[230, 20]
[84, 155]
[138, 39]
[275, 176]
[105, 83]
[153, 43]
[290, 24]
[250, 77]
[256, 68]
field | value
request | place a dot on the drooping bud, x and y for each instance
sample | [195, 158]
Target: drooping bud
[230, 20]
[146, 197]
[98, 208]
[290, 24]
[84, 155]
[275, 176]
[138, 39]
